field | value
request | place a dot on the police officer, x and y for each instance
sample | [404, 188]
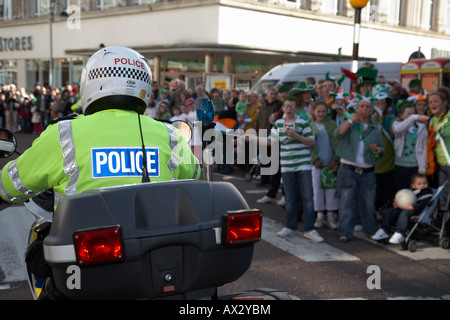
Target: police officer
[104, 146]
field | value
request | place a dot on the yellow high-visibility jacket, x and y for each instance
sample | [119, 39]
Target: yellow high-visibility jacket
[99, 150]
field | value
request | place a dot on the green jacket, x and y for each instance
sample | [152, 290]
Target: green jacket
[387, 162]
[350, 141]
[444, 132]
[99, 150]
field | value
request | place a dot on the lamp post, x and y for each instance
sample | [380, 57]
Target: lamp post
[358, 5]
[51, 16]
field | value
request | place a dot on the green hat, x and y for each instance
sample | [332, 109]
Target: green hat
[366, 75]
[291, 98]
[338, 82]
[241, 107]
[300, 87]
[283, 88]
[382, 91]
[367, 98]
[400, 106]
[415, 83]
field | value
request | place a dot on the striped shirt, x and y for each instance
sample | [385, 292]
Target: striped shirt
[294, 155]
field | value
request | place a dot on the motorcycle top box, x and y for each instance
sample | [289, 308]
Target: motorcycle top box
[163, 240]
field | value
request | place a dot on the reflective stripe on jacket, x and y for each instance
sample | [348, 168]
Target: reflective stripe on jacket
[99, 150]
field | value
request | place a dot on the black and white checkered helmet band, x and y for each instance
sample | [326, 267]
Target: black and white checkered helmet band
[119, 72]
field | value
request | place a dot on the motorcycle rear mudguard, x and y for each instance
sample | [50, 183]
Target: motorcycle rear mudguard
[168, 228]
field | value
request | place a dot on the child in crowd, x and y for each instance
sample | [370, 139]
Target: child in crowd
[384, 169]
[324, 162]
[35, 117]
[243, 120]
[339, 107]
[217, 100]
[421, 104]
[163, 97]
[192, 107]
[399, 217]
[163, 111]
[410, 141]
[177, 114]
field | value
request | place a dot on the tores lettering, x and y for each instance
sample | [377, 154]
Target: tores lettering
[16, 44]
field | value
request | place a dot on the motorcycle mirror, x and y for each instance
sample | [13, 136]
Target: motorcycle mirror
[8, 143]
[184, 128]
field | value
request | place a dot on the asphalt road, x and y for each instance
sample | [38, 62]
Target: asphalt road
[335, 270]
[360, 269]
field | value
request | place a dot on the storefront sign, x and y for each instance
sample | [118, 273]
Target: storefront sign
[16, 44]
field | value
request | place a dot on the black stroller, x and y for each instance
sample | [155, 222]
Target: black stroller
[426, 225]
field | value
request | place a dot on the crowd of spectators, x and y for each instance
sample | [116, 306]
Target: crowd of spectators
[405, 118]
[30, 111]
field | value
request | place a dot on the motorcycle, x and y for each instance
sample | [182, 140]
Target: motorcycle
[171, 240]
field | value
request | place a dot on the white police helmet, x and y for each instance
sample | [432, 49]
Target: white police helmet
[116, 78]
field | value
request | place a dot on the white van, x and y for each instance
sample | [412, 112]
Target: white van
[291, 73]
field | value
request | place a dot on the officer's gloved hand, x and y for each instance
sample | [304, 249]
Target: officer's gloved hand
[45, 200]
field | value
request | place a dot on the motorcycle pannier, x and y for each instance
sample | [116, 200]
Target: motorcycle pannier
[163, 241]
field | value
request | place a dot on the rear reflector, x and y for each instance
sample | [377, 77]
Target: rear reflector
[100, 245]
[240, 227]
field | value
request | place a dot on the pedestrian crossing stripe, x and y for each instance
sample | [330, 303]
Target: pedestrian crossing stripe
[301, 247]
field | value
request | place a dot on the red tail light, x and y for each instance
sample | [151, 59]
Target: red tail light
[100, 245]
[240, 227]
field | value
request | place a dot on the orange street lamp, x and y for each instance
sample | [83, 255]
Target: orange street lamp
[358, 5]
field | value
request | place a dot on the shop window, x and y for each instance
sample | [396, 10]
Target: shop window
[41, 7]
[2, 9]
[427, 14]
[8, 71]
[371, 11]
[297, 4]
[5, 9]
[447, 29]
[333, 7]
[393, 12]
[105, 4]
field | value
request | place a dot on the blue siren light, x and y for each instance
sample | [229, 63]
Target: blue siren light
[205, 110]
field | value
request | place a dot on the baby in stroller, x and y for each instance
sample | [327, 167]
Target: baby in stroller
[400, 217]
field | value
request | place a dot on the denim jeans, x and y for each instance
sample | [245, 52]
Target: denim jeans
[357, 192]
[398, 218]
[299, 194]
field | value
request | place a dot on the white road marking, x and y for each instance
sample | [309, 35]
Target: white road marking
[226, 178]
[256, 191]
[301, 247]
[425, 250]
